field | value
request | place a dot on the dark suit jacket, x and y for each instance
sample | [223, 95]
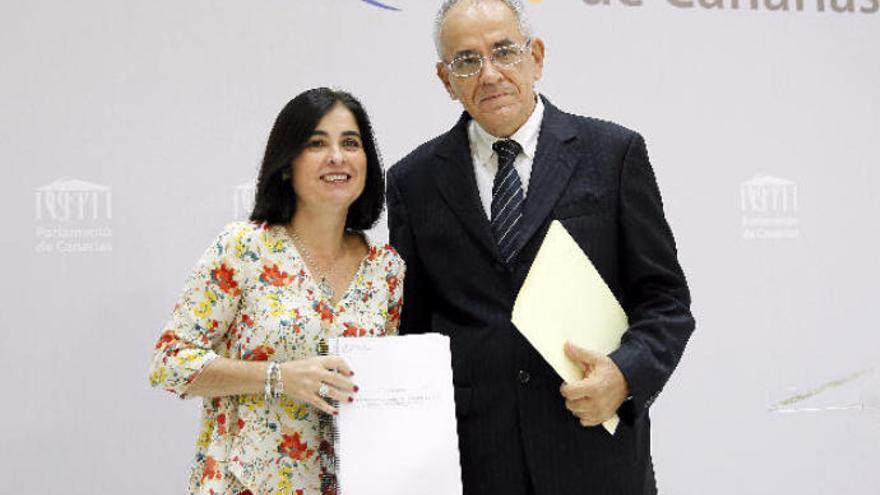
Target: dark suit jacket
[514, 429]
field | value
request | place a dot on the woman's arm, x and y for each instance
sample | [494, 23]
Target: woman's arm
[202, 317]
[301, 379]
[184, 360]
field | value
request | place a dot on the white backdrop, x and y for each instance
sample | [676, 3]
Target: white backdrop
[130, 132]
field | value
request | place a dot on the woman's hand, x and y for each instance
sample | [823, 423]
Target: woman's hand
[303, 378]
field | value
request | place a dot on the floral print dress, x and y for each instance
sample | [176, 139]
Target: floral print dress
[250, 297]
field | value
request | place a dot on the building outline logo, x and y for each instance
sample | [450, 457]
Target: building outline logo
[769, 208]
[68, 200]
[243, 196]
[73, 216]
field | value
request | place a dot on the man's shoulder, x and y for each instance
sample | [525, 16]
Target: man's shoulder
[594, 128]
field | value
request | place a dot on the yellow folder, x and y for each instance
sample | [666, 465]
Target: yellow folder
[565, 298]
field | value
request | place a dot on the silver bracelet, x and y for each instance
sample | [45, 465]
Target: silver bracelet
[277, 384]
[268, 389]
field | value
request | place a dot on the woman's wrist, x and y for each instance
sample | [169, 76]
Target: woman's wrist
[273, 387]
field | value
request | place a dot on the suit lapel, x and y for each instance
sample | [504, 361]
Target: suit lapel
[454, 176]
[551, 170]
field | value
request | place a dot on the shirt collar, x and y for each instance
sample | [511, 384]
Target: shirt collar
[526, 135]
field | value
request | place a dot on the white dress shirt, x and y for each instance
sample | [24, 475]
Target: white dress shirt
[486, 160]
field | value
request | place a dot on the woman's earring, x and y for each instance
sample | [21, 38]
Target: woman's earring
[285, 176]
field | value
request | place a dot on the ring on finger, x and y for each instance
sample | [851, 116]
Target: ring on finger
[323, 390]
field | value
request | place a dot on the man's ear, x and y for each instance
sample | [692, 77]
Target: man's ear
[443, 75]
[537, 53]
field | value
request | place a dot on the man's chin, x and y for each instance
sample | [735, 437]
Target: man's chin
[499, 120]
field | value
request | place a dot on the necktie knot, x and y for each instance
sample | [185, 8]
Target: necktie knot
[507, 150]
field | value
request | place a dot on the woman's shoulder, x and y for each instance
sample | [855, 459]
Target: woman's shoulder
[385, 255]
[243, 230]
[242, 237]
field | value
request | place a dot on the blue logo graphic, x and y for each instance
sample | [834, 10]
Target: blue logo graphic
[381, 5]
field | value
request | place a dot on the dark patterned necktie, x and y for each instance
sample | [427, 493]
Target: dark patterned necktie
[507, 198]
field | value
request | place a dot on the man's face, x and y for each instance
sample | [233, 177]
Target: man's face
[500, 99]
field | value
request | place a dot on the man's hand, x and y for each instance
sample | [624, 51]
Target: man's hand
[595, 398]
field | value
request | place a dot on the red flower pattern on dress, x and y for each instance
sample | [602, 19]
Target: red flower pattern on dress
[324, 309]
[259, 353]
[167, 337]
[373, 254]
[223, 276]
[392, 282]
[292, 447]
[212, 470]
[394, 314]
[353, 331]
[274, 276]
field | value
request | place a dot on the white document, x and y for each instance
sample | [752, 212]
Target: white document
[565, 298]
[399, 436]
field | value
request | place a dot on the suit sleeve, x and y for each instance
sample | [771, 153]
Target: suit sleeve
[415, 316]
[656, 296]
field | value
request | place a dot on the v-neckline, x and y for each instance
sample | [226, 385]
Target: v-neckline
[316, 288]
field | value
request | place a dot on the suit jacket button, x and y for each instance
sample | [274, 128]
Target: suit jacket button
[523, 376]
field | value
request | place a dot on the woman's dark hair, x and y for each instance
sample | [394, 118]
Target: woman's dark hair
[275, 201]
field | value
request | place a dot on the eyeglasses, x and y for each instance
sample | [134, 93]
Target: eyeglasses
[503, 56]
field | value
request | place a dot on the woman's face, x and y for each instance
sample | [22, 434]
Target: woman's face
[330, 172]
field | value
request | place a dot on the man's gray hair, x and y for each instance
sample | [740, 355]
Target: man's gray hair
[515, 5]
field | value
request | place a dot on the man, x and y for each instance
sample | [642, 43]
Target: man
[468, 211]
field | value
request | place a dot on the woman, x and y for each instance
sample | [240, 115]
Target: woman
[248, 330]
